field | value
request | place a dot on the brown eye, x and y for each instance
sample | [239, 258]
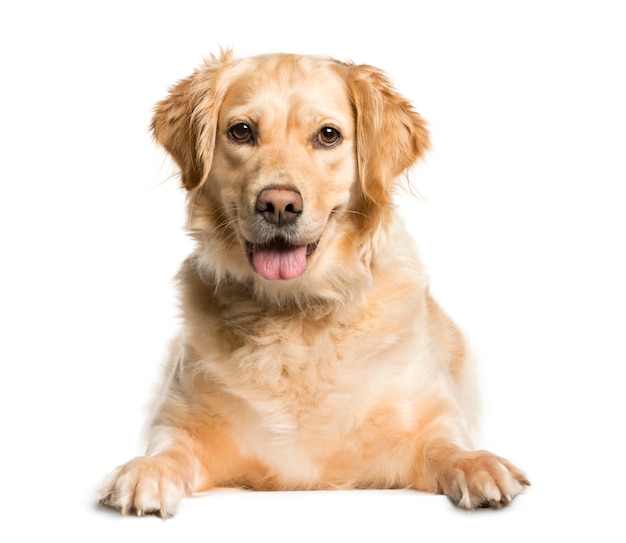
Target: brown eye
[328, 136]
[241, 133]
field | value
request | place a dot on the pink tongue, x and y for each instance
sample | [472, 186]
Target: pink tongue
[275, 264]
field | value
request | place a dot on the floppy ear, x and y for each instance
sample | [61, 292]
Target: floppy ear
[390, 134]
[185, 123]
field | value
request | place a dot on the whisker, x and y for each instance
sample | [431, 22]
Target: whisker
[349, 211]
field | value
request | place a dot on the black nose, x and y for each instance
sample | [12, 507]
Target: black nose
[279, 206]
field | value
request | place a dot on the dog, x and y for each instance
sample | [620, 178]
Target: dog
[312, 355]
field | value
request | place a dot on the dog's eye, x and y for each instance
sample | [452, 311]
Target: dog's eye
[328, 136]
[241, 133]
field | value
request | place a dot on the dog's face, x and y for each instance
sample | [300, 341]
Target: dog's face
[289, 160]
[284, 161]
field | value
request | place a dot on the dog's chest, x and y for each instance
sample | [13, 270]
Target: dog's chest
[303, 401]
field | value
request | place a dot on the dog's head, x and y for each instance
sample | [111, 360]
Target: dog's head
[289, 161]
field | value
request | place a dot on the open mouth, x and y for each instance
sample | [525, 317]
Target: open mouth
[279, 259]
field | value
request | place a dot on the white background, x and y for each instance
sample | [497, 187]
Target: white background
[520, 223]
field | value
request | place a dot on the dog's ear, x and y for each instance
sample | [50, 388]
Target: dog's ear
[185, 123]
[390, 135]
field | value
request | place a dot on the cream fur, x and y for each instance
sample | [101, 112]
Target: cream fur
[347, 376]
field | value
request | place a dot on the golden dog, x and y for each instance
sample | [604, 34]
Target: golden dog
[312, 355]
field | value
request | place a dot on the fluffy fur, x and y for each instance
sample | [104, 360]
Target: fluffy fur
[312, 355]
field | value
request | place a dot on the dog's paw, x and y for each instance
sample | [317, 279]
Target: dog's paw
[481, 479]
[145, 485]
